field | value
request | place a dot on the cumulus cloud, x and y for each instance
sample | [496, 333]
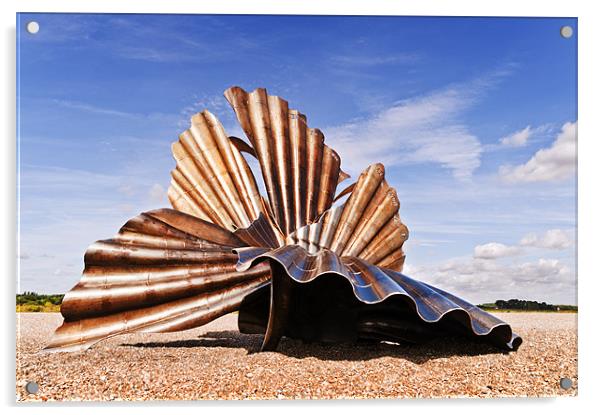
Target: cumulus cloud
[477, 274]
[482, 280]
[518, 138]
[495, 250]
[424, 129]
[557, 162]
[556, 239]
[492, 274]
[543, 270]
[553, 239]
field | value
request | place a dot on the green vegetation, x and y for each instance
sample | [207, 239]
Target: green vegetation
[31, 302]
[526, 305]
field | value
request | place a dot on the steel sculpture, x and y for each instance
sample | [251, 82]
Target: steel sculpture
[292, 264]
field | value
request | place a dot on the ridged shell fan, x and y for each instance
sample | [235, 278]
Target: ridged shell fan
[303, 262]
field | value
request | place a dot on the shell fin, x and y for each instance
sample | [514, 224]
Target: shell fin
[242, 146]
[387, 304]
[164, 271]
[345, 191]
[212, 180]
[299, 171]
[367, 226]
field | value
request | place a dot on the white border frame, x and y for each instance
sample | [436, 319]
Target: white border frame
[589, 194]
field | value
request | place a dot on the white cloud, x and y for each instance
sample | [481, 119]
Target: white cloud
[419, 130]
[214, 103]
[480, 280]
[492, 274]
[553, 239]
[518, 138]
[59, 180]
[156, 120]
[495, 250]
[154, 54]
[63, 211]
[557, 162]
[427, 242]
[127, 189]
[556, 239]
[81, 106]
[424, 129]
[157, 193]
[544, 270]
[374, 60]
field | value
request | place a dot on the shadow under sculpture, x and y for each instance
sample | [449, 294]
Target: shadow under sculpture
[292, 264]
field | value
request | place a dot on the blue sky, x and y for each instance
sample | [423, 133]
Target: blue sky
[474, 118]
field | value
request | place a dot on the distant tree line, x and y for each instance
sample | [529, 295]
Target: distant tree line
[527, 305]
[31, 301]
[31, 297]
[515, 304]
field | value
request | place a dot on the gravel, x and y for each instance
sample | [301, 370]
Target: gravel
[217, 362]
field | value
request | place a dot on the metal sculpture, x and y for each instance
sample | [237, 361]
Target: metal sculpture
[292, 264]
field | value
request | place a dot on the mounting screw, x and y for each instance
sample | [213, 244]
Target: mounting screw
[32, 27]
[566, 383]
[566, 31]
[32, 387]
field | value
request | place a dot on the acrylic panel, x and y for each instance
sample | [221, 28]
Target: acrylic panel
[295, 207]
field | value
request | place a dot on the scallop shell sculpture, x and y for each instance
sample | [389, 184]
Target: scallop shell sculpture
[291, 264]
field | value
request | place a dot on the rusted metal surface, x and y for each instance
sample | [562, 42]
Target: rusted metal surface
[261, 233]
[367, 226]
[371, 285]
[164, 271]
[212, 180]
[294, 264]
[300, 172]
